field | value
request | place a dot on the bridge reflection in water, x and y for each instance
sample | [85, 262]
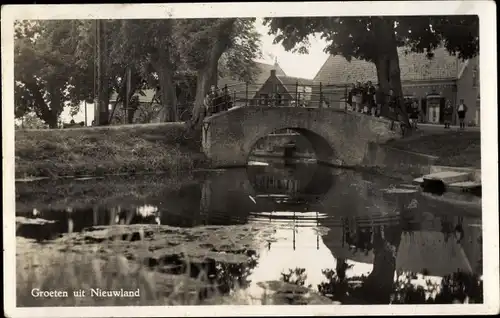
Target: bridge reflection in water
[321, 215]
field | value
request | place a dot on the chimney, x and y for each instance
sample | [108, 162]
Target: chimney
[273, 73]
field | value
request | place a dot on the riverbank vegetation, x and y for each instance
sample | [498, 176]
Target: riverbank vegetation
[105, 150]
[457, 148]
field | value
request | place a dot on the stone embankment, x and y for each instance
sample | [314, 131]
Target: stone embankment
[451, 179]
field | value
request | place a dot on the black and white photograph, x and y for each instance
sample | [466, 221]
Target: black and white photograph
[183, 159]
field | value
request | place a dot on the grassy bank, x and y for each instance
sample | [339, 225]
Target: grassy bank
[105, 150]
[457, 148]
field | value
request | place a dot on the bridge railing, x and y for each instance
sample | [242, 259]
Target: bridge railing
[293, 95]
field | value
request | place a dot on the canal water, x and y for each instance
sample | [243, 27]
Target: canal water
[321, 217]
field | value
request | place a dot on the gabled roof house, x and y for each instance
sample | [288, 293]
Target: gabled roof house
[443, 78]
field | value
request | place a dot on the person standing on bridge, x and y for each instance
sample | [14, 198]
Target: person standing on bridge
[227, 100]
[366, 99]
[350, 97]
[370, 93]
[356, 96]
[379, 100]
[393, 103]
[210, 100]
[223, 99]
[218, 101]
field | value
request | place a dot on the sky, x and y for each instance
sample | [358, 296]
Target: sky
[294, 64]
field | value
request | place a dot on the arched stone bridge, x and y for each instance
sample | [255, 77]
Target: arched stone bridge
[337, 137]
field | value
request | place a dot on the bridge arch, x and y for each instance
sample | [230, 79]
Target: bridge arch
[338, 137]
[323, 150]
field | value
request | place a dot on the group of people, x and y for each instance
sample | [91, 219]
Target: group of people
[363, 98]
[368, 99]
[371, 100]
[216, 100]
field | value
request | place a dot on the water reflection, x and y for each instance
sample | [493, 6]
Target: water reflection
[355, 229]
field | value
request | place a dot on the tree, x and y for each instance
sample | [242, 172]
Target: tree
[114, 62]
[44, 67]
[207, 41]
[238, 61]
[377, 38]
[156, 53]
[176, 49]
[152, 46]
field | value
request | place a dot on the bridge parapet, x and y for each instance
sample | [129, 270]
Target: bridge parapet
[338, 137]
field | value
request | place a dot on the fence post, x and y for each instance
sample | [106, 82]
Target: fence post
[296, 93]
[246, 94]
[320, 95]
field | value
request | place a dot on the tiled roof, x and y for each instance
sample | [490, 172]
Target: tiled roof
[239, 87]
[289, 80]
[414, 67]
[290, 83]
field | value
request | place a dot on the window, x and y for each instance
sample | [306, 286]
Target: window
[474, 77]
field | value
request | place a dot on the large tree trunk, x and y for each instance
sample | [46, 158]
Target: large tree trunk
[382, 65]
[378, 287]
[49, 115]
[387, 63]
[208, 74]
[168, 95]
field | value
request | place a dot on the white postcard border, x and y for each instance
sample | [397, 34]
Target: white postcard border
[489, 143]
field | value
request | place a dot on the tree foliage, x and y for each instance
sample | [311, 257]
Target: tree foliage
[238, 61]
[356, 37]
[45, 67]
[376, 38]
[56, 61]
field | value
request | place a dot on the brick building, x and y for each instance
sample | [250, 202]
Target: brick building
[429, 82]
[241, 91]
[288, 87]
